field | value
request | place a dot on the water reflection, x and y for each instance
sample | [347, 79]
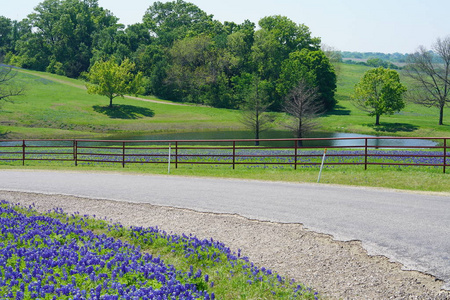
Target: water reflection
[233, 135]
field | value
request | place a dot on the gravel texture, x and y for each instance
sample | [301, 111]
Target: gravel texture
[337, 270]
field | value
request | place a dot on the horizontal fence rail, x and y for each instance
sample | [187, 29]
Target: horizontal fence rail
[364, 151]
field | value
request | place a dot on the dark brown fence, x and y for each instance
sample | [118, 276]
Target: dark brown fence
[363, 151]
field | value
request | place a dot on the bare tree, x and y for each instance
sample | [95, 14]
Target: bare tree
[302, 105]
[334, 56]
[7, 86]
[431, 72]
[255, 114]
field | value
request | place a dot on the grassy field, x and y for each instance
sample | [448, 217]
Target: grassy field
[414, 120]
[52, 109]
[59, 107]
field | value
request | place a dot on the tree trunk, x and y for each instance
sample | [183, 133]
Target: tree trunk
[299, 142]
[257, 137]
[441, 115]
[377, 120]
[110, 102]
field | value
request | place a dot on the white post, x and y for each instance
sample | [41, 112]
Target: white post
[321, 166]
[168, 168]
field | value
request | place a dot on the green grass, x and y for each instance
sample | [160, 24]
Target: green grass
[54, 110]
[63, 109]
[415, 120]
[59, 107]
[411, 178]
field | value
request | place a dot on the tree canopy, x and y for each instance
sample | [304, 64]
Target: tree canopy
[183, 53]
[380, 92]
[110, 79]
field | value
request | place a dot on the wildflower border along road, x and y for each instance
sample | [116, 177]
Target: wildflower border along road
[60, 256]
[411, 228]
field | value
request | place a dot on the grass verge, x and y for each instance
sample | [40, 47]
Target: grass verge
[425, 179]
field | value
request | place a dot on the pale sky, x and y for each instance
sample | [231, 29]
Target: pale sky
[349, 25]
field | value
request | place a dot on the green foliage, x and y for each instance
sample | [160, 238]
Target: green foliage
[390, 57]
[62, 36]
[312, 67]
[377, 62]
[107, 78]
[380, 92]
[182, 52]
[177, 20]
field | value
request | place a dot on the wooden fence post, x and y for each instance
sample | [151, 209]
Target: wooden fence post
[234, 154]
[123, 154]
[176, 155]
[75, 152]
[365, 154]
[23, 152]
[295, 157]
[445, 153]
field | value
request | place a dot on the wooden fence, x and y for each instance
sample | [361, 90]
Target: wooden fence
[364, 151]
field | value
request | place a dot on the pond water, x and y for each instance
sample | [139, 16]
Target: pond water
[233, 135]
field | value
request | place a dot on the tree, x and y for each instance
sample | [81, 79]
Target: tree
[273, 44]
[7, 86]
[60, 38]
[431, 73]
[108, 78]
[176, 20]
[380, 92]
[334, 56]
[303, 106]
[255, 106]
[316, 69]
[6, 36]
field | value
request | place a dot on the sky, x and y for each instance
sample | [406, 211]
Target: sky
[386, 26]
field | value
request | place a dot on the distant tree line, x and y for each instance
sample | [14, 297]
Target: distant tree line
[390, 57]
[181, 52]
[375, 63]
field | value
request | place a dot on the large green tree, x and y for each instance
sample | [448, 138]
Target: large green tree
[110, 79]
[285, 52]
[277, 37]
[176, 20]
[6, 36]
[62, 37]
[380, 92]
[312, 67]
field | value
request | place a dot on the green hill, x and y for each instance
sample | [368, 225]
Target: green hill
[58, 107]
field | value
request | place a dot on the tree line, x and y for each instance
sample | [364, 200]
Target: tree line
[181, 52]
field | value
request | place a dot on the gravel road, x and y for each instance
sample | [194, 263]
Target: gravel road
[266, 234]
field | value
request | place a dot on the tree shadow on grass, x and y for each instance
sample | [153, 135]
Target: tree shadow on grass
[393, 127]
[120, 111]
[338, 111]
[4, 134]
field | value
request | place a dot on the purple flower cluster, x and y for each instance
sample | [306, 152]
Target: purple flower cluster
[41, 257]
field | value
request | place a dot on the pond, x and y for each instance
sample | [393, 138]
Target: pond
[233, 135]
